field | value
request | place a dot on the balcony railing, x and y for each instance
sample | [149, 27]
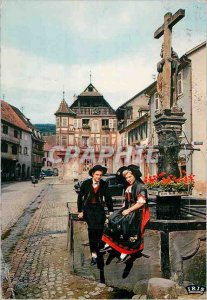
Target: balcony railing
[105, 128]
[9, 156]
[124, 123]
[94, 111]
[10, 139]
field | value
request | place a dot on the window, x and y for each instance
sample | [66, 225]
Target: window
[105, 161]
[25, 150]
[87, 165]
[64, 121]
[58, 140]
[180, 83]
[136, 133]
[115, 124]
[85, 121]
[157, 101]
[15, 133]
[4, 147]
[20, 149]
[105, 141]
[77, 123]
[95, 125]
[5, 129]
[85, 141]
[64, 140]
[14, 149]
[57, 122]
[105, 123]
[129, 113]
[140, 114]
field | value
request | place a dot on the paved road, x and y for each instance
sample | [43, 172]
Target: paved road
[16, 197]
[40, 266]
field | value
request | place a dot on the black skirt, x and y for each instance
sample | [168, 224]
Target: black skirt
[125, 230]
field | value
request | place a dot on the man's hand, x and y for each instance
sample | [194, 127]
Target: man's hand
[126, 212]
[109, 214]
[80, 215]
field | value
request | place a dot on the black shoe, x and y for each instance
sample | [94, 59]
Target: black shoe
[93, 261]
[102, 250]
[122, 260]
[111, 256]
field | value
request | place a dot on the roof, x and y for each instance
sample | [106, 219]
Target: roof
[50, 142]
[196, 48]
[138, 94]
[23, 118]
[92, 97]
[9, 115]
[64, 109]
[143, 107]
[90, 91]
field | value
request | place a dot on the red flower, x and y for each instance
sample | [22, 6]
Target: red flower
[161, 174]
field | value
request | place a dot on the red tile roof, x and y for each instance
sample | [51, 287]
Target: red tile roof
[10, 116]
[50, 142]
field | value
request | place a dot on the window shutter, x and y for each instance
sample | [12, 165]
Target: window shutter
[115, 124]
[75, 123]
[110, 123]
[79, 123]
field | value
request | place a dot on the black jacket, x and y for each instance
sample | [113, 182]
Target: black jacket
[87, 193]
[137, 188]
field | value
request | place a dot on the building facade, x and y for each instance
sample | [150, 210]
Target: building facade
[37, 144]
[133, 125]
[90, 126]
[15, 145]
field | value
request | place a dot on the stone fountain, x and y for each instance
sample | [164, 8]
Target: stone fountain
[175, 236]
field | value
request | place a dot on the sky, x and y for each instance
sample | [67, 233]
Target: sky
[52, 45]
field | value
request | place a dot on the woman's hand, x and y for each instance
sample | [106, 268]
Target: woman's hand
[126, 212]
[80, 215]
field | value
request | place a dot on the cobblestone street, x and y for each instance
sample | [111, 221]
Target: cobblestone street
[39, 263]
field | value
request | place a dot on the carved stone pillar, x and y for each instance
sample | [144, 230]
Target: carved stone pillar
[168, 125]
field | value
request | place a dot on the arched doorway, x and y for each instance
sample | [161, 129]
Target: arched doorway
[23, 171]
[28, 172]
[18, 171]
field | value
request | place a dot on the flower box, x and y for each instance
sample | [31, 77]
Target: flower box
[164, 185]
[154, 192]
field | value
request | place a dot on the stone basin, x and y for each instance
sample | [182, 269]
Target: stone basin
[175, 249]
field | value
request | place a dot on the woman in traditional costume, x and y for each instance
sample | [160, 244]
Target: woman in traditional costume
[124, 231]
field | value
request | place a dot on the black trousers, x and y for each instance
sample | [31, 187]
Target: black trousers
[94, 216]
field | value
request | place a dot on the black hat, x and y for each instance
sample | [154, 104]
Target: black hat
[97, 168]
[119, 175]
[135, 171]
[120, 178]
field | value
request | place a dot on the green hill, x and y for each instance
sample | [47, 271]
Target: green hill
[46, 129]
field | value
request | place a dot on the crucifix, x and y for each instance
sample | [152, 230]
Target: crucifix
[166, 54]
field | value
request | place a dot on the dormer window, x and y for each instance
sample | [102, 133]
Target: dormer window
[90, 88]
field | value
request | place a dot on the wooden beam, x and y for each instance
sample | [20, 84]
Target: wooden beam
[173, 20]
[159, 32]
[177, 17]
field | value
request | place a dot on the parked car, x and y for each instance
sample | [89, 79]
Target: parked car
[115, 188]
[48, 172]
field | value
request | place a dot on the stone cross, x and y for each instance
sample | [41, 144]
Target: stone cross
[166, 30]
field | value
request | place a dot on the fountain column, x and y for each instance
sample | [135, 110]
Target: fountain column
[169, 120]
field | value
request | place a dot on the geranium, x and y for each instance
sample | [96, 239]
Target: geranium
[170, 183]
